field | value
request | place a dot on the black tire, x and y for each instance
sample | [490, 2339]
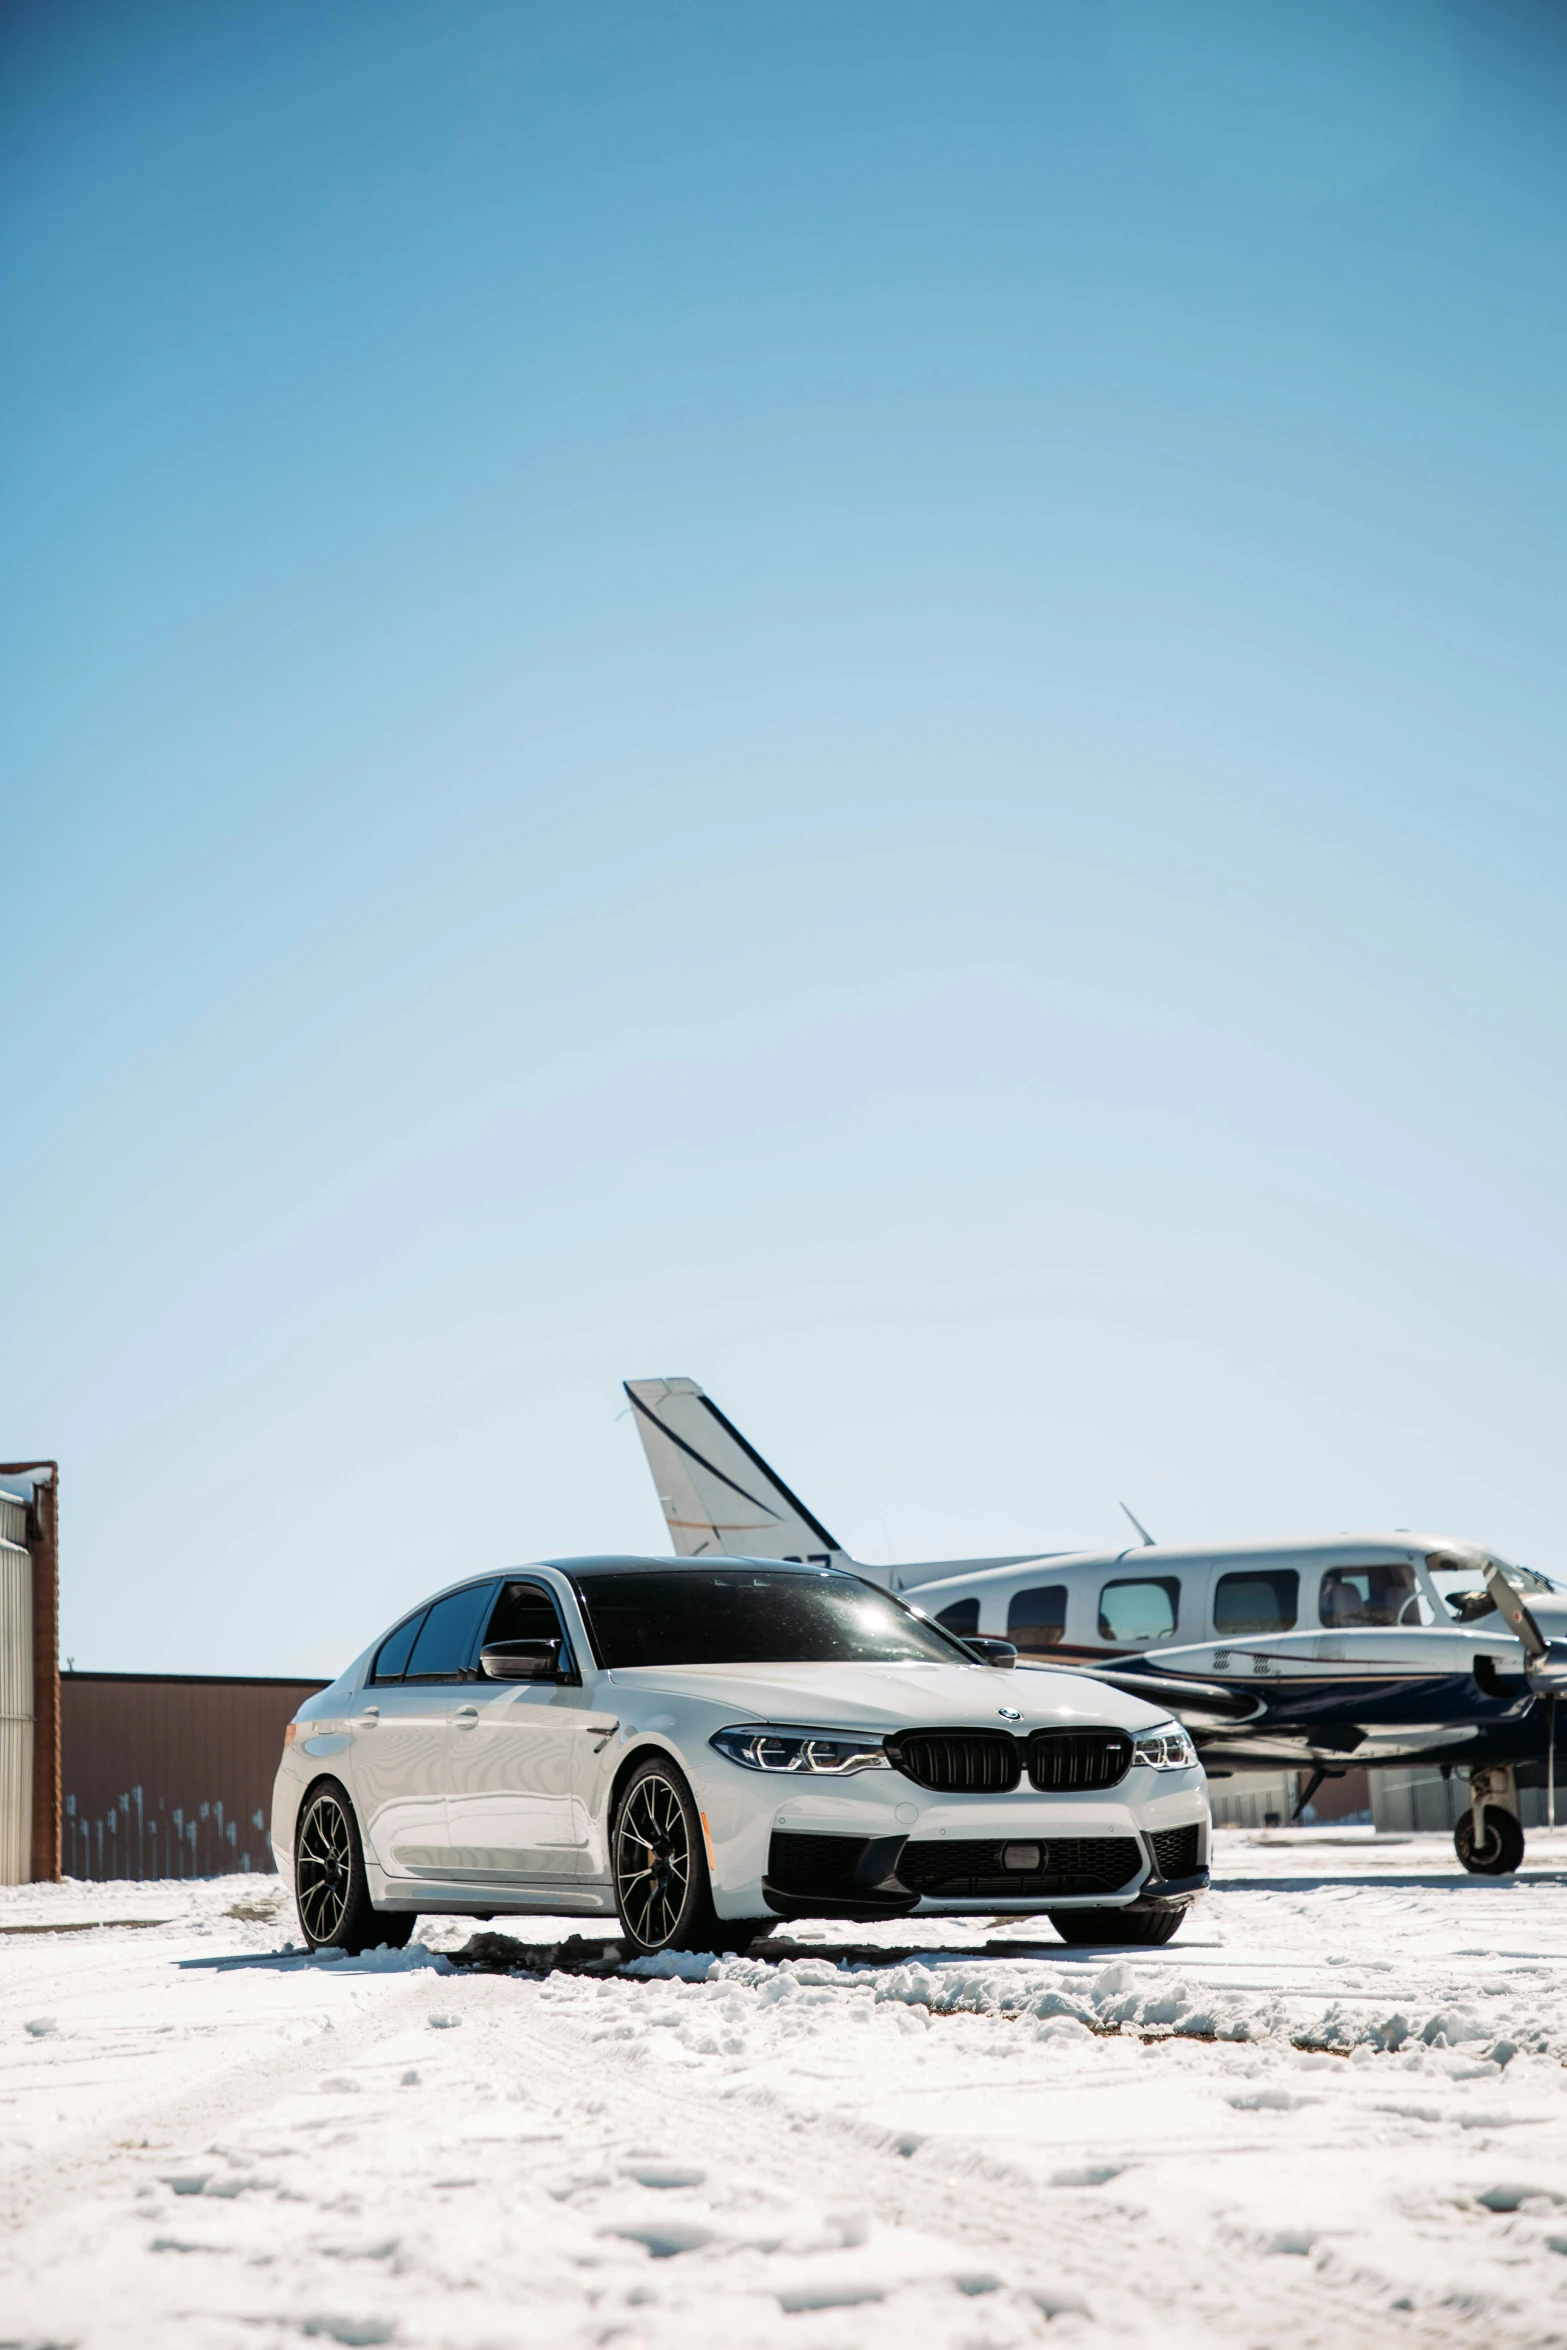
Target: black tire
[1117, 1928]
[330, 1890]
[1502, 1850]
[659, 1865]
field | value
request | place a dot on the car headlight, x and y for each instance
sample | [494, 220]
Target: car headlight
[1167, 1749]
[833, 1753]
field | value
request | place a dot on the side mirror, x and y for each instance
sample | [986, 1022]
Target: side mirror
[522, 1660]
[999, 1653]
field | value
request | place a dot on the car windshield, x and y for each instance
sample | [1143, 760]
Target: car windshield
[754, 1616]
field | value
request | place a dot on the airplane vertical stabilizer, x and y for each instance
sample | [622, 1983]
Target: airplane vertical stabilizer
[717, 1494]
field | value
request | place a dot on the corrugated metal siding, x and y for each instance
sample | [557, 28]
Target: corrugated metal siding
[16, 1708]
[1251, 1798]
[13, 1519]
[171, 1777]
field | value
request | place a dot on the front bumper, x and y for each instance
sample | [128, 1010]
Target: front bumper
[744, 1811]
[1062, 1856]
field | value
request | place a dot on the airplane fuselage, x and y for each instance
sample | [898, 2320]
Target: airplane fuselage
[1344, 1650]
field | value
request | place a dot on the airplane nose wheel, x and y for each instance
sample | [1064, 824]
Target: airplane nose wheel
[1501, 1849]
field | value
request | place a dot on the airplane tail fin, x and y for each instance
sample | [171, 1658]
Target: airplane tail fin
[717, 1494]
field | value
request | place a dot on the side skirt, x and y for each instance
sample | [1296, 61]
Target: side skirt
[438, 1899]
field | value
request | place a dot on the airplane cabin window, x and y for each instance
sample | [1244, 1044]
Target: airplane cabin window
[392, 1655]
[1257, 1599]
[1383, 1594]
[441, 1650]
[1140, 1607]
[524, 1611]
[1036, 1620]
[962, 1616]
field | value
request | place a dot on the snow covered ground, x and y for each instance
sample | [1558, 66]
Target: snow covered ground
[1333, 2112]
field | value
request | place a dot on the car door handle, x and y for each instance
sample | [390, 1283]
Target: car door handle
[465, 1717]
[368, 1718]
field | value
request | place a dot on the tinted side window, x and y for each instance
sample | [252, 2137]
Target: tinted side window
[1140, 1607]
[441, 1650]
[1037, 1619]
[524, 1611]
[961, 1616]
[1257, 1600]
[1367, 1595]
[392, 1655]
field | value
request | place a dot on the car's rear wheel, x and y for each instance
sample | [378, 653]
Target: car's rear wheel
[1117, 1928]
[660, 1869]
[331, 1892]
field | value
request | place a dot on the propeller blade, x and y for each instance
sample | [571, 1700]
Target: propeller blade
[1513, 1612]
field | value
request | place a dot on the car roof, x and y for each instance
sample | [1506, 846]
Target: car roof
[613, 1563]
[690, 1566]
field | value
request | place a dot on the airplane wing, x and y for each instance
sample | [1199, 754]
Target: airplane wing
[717, 1493]
[1192, 1702]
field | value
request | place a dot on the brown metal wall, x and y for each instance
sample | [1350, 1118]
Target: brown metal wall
[1348, 1797]
[170, 1775]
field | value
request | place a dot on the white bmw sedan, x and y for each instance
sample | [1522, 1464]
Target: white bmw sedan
[707, 1746]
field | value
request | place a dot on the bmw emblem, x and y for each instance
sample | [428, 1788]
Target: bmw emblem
[1009, 1713]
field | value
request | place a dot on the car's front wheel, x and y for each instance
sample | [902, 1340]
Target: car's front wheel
[660, 1868]
[330, 1888]
[1117, 1929]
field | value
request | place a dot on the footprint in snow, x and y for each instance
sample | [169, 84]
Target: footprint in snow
[665, 2238]
[358, 2333]
[1513, 2197]
[664, 2174]
[795, 2298]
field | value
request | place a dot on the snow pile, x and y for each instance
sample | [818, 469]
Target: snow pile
[1302, 2121]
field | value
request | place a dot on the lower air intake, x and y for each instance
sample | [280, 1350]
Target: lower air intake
[957, 1869]
[819, 1865]
[1177, 1852]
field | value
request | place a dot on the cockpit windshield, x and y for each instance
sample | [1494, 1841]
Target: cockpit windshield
[1461, 1585]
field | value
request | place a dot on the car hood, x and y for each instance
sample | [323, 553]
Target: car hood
[892, 1697]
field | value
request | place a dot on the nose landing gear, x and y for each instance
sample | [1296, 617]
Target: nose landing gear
[1489, 1836]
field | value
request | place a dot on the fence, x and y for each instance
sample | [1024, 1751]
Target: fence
[1422, 1802]
[170, 1775]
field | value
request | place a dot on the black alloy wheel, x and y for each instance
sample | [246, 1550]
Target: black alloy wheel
[1117, 1929]
[330, 1889]
[1500, 1852]
[657, 1859]
[660, 1869]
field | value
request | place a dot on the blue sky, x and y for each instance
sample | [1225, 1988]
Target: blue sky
[861, 702]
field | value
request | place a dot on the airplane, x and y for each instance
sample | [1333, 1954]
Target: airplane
[1364, 1650]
